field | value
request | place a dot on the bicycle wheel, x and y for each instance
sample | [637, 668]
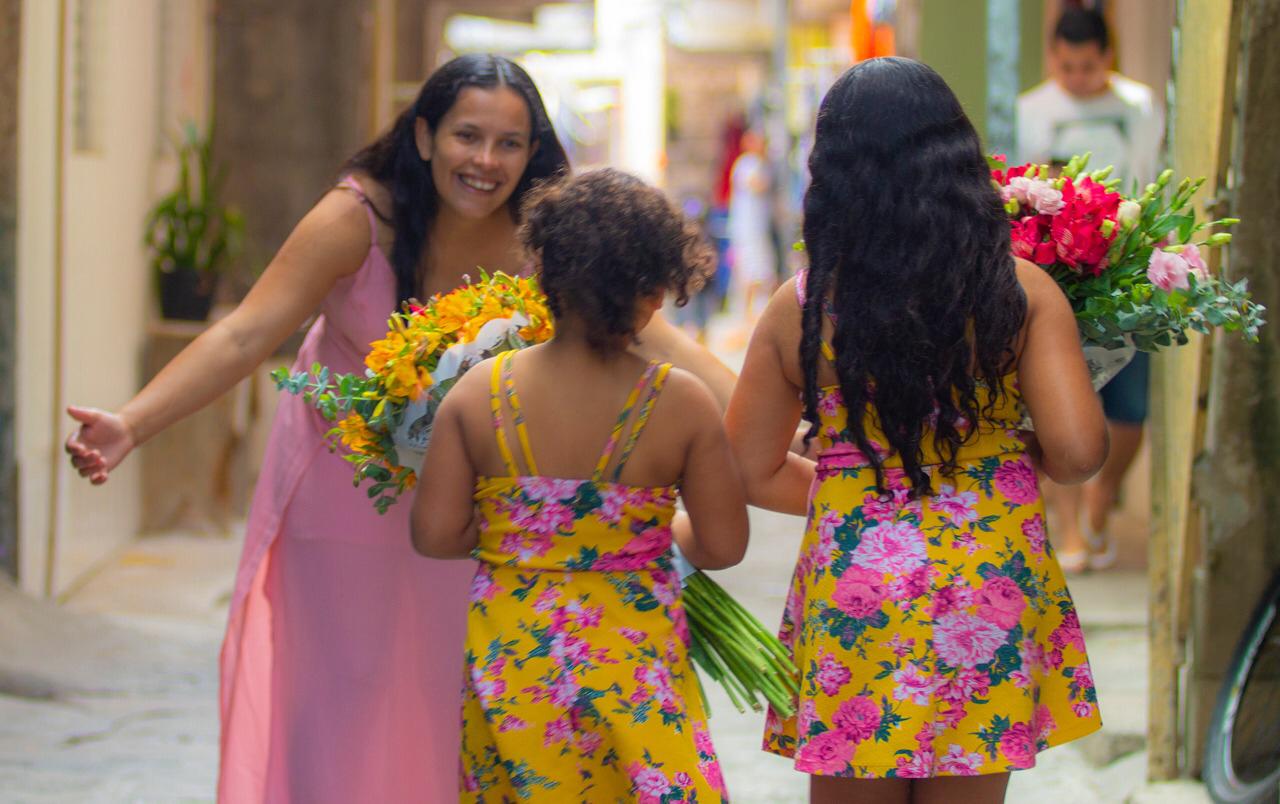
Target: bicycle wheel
[1242, 757]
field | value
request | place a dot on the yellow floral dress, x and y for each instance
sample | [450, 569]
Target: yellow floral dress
[935, 637]
[578, 681]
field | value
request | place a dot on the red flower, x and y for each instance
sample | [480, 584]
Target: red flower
[1029, 242]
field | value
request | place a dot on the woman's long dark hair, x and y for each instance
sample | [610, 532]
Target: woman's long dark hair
[393, 159]
[906, 233]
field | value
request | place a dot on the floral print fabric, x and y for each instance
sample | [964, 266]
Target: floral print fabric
[578, 682]
[935, 637]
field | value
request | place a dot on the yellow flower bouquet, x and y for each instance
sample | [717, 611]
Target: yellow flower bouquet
[384, 417]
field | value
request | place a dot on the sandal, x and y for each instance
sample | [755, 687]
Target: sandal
[1074, 562]
[1102, 549]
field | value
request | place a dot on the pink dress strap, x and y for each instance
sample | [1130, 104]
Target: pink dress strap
[802, 278]
[349, 182]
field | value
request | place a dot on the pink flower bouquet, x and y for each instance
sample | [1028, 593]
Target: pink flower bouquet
[1134, 268]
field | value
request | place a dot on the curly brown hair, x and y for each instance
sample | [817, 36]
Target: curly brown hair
[602, 241]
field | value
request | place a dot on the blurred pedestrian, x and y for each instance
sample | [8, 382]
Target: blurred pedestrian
[1083, 107]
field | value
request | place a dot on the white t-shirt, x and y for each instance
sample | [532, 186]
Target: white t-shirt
[1123, 127]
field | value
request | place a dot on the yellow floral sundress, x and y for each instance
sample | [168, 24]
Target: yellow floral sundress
[578, 682]
[935, 637]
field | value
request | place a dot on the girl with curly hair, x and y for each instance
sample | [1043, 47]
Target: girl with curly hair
[929, 618]
[578, 684]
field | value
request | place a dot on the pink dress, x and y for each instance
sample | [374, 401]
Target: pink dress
[341, 671]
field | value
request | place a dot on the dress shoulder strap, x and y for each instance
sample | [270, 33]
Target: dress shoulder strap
[650, 384]
[802, 278]
[501, 383]
[349, 182]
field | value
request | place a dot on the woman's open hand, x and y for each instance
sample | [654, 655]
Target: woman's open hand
[100, 444]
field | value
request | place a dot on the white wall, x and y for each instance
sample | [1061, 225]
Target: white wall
[37, 228]
[106, 292]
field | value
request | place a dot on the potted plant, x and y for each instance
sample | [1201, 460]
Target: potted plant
[191, 233]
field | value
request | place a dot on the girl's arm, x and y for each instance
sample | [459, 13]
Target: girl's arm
[443, 522]
[711, 486]
[763, 416]
[661, 340]
[1070, 427]
[328, 244]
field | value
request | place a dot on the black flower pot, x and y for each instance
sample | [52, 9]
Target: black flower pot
[186, 294]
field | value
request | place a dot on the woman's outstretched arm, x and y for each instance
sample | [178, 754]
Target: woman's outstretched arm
[329, 243]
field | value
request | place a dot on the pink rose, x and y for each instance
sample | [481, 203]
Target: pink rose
[919, 765]
[1083, 676]
[894, 547]
[633, 635]
[958, 762]
[1034, 657]
[702, 740]
[1000, 600]
[512, 723]
[564, 690]
[951, 714]
[1018, 744]
[1191, 255]
[489, 689]
[649, 783]
[588, 742]
[483, 586]
[900, 647]
[1043, 722]
[710, 771]
[826, 754]
[545, 489]
[858, 718]
[964, 640]
[1044, 198]
[1068, 633]
[947, 599]
[1082, 709]
[827, 526]
[807, 716]
[1019, 188]
[859, 592]
[1033, 529]
[959, 507]
[964, 685]
[911, 684]
[557, 731]
[831, 675]
[1017, 481]
[683, 780]
[1167, 270]
[910, 587]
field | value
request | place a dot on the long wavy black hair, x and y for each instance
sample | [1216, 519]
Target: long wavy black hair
[393, 159]
[907, 236]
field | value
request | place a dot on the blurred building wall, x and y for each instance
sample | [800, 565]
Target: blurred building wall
[953, 40]
[291, 86]
[10, 14]
[1236, 478]
[102, 85]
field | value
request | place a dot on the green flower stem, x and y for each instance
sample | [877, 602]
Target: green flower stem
[731, 684]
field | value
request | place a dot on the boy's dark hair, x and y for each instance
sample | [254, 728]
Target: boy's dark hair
[602, 241]
[1078, 26]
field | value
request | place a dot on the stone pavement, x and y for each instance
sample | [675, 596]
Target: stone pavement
[112, 696]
